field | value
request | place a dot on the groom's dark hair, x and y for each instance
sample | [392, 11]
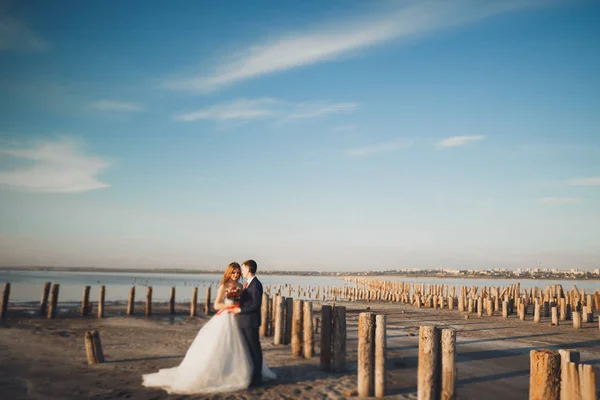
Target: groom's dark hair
[252, 267]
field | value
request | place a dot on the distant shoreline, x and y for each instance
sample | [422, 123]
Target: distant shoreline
[332, 274]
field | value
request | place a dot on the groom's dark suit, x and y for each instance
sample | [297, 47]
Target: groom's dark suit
[249, 323]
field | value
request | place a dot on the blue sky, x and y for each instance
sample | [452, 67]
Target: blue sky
[340, 135]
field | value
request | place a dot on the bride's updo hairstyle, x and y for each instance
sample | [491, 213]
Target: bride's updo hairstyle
[231, 268]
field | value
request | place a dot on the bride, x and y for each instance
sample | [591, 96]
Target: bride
[217, 360]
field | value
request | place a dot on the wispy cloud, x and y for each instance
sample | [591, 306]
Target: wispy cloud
[366, 151]
[561, 200]
[118, 106]
[456, 141]
[55, 167]
[594, 181]
[237, 109]
[15, 35]
[309, 110]
[268, 108]
[336, 39]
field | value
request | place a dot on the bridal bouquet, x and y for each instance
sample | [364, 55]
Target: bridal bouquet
[234, 295]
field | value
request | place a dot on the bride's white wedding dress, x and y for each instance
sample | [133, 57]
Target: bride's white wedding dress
[217, 361]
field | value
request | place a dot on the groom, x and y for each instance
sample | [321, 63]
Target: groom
[249, 317]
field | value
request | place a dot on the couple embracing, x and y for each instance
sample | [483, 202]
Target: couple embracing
[226, 354]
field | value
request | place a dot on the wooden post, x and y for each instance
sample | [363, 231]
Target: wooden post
[98, 346]
[278, 331]
[555, 316]
[380, 355]
[149, 301]
[448, 384]
[338, 338]
[172, 301]
[93, 347]
[207, 302]
[536, 312]
[44, 300]
[366, 333]
[85, 299]
[193, 302]
[325, 357]
[53, 300]
[264, 317]
[5, 298]
[297, 322]
[101, 301]
[131, 301]
[566, 380]
[289, 311]
[505, 309]
[308, 329]
[576, 320]
[544, 378]
[587, 382]
[428, 375]
[89, 349]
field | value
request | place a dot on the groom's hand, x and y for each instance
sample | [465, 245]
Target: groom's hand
[236, 311]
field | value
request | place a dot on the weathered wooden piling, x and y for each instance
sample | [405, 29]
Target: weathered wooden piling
[278, 331]
[131, 301]
[148, 301]
[587, 382]
[5, 299]
[380, 355]
[448, 370]
[172, 301]
[193, 302]
[101, 298]
[85, 299]
[308, 329]
[53, 300]
[568, 381]
[44, 299]
[428, 374]
[544, 378]
[338, 339]
[325, 357]
[366, 354]
[93, 347]
[297, 324]
[576, 315]
[264, 315]
[289, 312]
[207, 302]
[555, 316]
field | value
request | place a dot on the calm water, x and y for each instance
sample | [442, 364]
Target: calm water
[27, 285]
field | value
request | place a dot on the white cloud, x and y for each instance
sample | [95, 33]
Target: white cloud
[112, 105]
[282, 111]
[237, 109]
[336, 39]
[595, 181]
[561, 200]
[57, 167]
[459, 141]
[16, 36]
[313, 110]
[379, 148]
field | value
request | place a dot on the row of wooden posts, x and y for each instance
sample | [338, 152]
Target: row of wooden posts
[50, 292]
[554, 302]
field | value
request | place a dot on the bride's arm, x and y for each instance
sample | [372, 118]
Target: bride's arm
[220, 297]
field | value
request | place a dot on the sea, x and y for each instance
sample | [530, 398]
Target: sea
[26, 286]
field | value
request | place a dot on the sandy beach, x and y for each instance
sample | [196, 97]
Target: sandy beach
[45, 359]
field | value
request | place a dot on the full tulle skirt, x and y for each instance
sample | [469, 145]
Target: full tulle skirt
[217, 361]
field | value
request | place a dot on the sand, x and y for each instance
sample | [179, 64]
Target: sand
[45, 359]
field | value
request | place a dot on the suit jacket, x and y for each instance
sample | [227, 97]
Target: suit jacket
[250, 304]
